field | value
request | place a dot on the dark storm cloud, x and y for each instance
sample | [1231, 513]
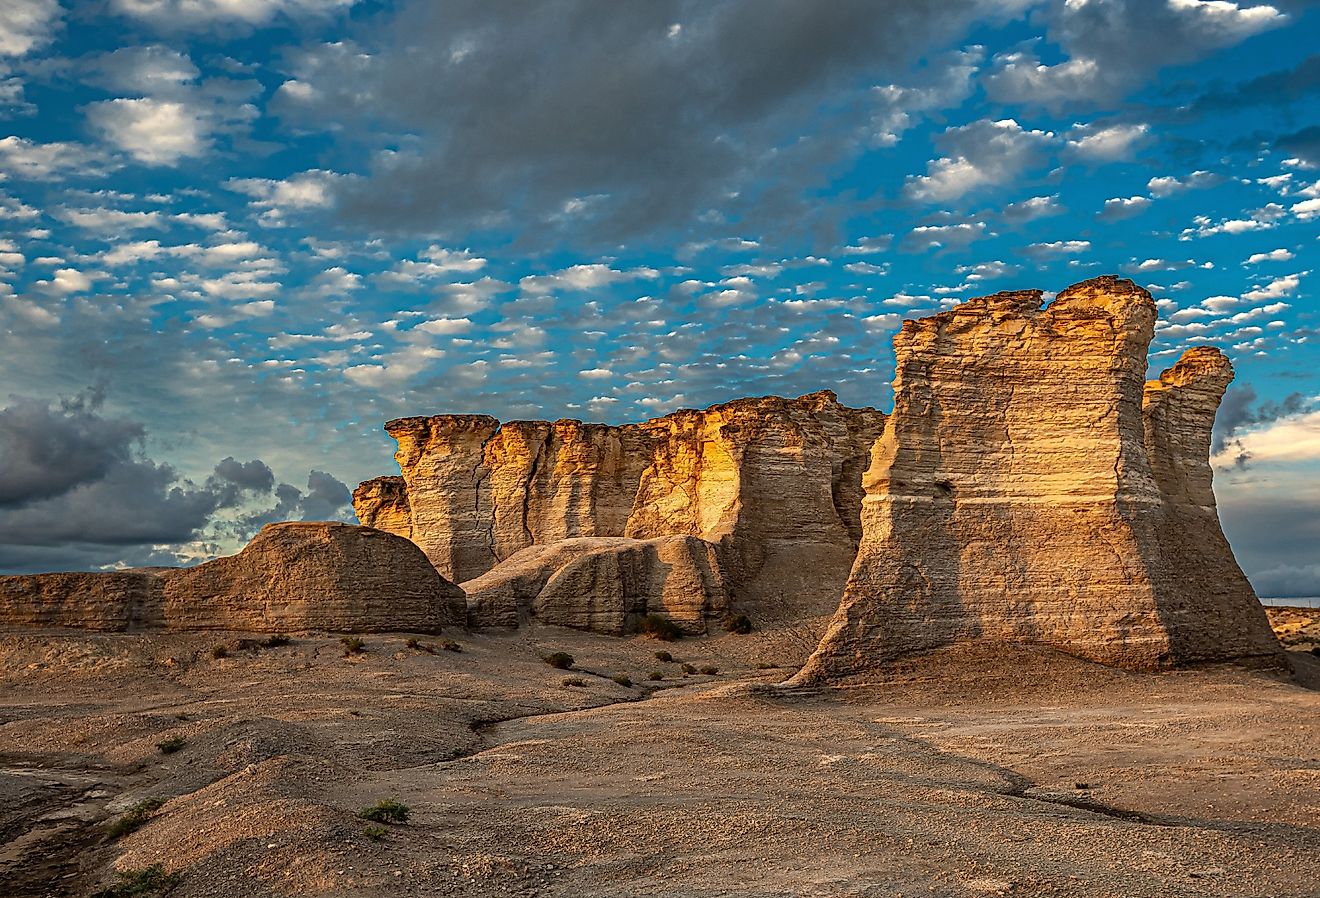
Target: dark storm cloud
[1304, 144]
[1284, 86]
[76, 484]
[1274, 540]
[636, 118]
[1239, 409]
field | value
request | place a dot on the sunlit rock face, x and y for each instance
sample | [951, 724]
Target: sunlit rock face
[1031, 487]
[292, 576]
[383, 504]
[774, 484]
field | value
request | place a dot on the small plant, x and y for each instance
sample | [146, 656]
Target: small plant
[655, 675]
[657, 626]
[353, 645]
[151, 880]
[275, 640]
[689, 668]
[623, 680]
[134, 817]
[450, 646]
[559, 660]
[171, 745]
[765, 665]
[738, 623]
[414, 643]
[664, 656]
[374, 833]
[577, 682]
[387, 810]
[220, 651]
[710, 670]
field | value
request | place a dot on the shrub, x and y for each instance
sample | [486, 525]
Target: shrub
[387, 810]
[622, 680]
[171, 745]
[134, 817]
[738, 623]
[413, 642]
[710, 670]
[664, 656]
[220, 651]
[765, 665]
[374, 833]
[151, 880]
[689, 669]
[574, 681]
[559, 660]
[353, 645]
[657, 626]
[275, 640]
[655, 675]
[450, 646]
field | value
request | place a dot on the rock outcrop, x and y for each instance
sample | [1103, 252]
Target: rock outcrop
[1023, 493]
[774, 483]
[604, 584]
[383, 504]
[291, 576]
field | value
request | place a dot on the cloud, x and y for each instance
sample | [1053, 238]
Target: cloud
[1031, 209]
[169, 15]
[27, 25]
[54, 161]
[1114, 46]
[1124, 207]
[277, 198]
[1274, 255]
[982, 154]
[1056, 248]
[1097, 144]
[1247, 430]
[157, 132]
[1303, 144]
[948, 237]
[1167, 185]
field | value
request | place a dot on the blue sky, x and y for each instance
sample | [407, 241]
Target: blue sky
[238, 235]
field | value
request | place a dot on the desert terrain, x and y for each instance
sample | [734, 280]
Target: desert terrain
[961, 774]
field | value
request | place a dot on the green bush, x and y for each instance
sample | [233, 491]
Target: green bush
[664, 656]
[387, 810]
[171, 745]
[622, 680]
[657, 626]
[559, 660]
[353, 645]
[375, 833]
[151, 880]
[689, 668]
[134, 817]
[710, 670]
[655, 675]
[738, 623]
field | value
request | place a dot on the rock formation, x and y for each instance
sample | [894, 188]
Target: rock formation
[1023, 493]
[774, 483]
[606, 584]
[292, 576]
[383, 504]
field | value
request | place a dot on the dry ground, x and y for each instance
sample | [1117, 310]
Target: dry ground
[1024, 774]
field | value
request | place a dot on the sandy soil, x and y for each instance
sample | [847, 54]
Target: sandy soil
[1027, 773]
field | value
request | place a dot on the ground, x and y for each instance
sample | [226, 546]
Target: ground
[962, 774]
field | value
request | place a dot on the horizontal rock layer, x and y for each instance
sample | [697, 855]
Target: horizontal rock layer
[292, 576]
[774, 483]
[1023, 492]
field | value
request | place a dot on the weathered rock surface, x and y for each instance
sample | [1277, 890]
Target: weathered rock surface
[114, 600]
[292, 576]
[384, 505]
[604, 584]
[1021, 494]
[774, 483]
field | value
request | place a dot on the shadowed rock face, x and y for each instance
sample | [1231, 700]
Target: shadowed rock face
[292, 576]
[774, 483]
[1024, 491]
[384, 504]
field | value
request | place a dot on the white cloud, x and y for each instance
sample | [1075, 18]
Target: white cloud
[1124, 207]
[1032, 208]
[1109, 144]
[1307, 209]
[981, 154]
[1288, 439]
[1057, 248]
[584, 277]
[26, 25]
[896, 105]
[170, 14]
[312, 189]
[1166, 185]
[1276, 289]
[1274, 255]
[950, 236]
[444, 326]
[49, 161]
[108, 220]
[157, 132]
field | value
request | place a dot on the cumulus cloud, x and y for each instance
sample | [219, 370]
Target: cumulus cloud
[27, 25]
[178, 14]
[1094, 143]
[982, 154]
[157, 132]
[58, 160]
[1124, 207]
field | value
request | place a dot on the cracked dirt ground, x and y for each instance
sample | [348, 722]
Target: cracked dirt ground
[1024, 773]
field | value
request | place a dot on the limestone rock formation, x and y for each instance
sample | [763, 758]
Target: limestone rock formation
[292, 576]
[383, 504]
[1021, 494]
[604, 584]
[316, 576]
[774, 483]
[114, 600]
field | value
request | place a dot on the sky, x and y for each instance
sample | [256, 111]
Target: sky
[236, 236]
